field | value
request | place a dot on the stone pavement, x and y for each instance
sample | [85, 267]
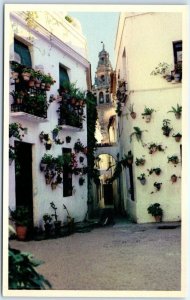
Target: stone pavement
[125, 256]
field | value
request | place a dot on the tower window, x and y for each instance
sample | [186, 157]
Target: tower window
[101, 97]
[63, 76]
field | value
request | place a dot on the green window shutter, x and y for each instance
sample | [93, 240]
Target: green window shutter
[63, 76]
[24, 53]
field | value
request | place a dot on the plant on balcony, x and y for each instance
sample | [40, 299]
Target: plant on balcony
[177, 111]
[166, 128]
[147, 114]
[142, 179]
[48, 80]
[177, 136]
[131, 110]
[173, 159]
[138, 133]
[157, 171]
[140, 161]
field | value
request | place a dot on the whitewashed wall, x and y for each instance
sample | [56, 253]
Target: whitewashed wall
[147, 40]
[45, 53]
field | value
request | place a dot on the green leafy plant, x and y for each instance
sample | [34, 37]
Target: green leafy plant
[138, 133]
[131, 110]
[20, 215]
[162, 69]
[157, 185]
[140, 161]
[153, 147]
[155, 210]
[166, 128]
[14, 131]
[127, 159]
[78, 146]
[157, 171]
[147, 111]
[177, 111]
[22, 273]
[174, 159]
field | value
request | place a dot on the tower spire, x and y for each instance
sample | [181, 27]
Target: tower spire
[103, 45]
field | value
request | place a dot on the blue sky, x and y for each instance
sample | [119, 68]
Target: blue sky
[98, 27]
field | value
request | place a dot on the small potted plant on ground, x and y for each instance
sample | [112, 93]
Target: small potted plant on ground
[177, 136]
[147, 114]
[47, 223]
[21, 218]
[142, 179]
[156, 211]
[132, 113]
[57, 224]
[177, 111]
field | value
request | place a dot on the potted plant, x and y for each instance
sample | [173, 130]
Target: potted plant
[138, 133]
[81, 180]
[26, 73]
[153, 147]
[157, 171]
[140, 161]
[156, 211]
[173, 178]
[142, 179]
[70, 220]
[81, 159]
[127, 160]
[78, 146]
[132, 113]
[177, 136]
[163, 69]
[68, 139]
[147, 114]
[157, 185]
[46, 161]
[47, 223]
[21, 218]
[177, 111]
[55, 131]
[57, 224]
[173, 159]
[166, 128]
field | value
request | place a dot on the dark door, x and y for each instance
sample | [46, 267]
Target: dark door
[23, 176]
[108, 194]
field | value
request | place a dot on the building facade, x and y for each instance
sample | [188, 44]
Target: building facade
[47, 125]
[148, 53]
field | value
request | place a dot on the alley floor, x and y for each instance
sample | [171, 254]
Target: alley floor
[120, 257]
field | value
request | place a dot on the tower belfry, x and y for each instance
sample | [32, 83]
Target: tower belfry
[101, 90]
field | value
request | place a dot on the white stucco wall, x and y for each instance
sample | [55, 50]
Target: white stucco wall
[42, 193]
[147, 39]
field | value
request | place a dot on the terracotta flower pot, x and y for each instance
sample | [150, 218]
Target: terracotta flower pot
[133, 115]
[21, 231]
[147, 118]
[158, 218]
[31, 83]
[177, 138]
[47, 87]
[173, 178]
[177, 115]
[26, 76]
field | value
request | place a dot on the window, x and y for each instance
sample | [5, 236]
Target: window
[101, 97]
[177, 48]
[22, 52]
[63, 76]
[107, 98]
[67, 174]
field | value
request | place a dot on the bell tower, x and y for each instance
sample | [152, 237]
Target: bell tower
[102, 92]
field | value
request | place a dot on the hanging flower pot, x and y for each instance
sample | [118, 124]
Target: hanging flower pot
[53, 185]
[177, 137]
[68, 139]
[43, 166]
[133, 115]
[173, 178]
[178, 115]
[142, 179]
[157, 185]
[81, 159]
[31, 82]
[81, 180]
[48, 145]
[47, 87]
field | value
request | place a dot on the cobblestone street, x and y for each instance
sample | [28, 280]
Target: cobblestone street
[120, 257]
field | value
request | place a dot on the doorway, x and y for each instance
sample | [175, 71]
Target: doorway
[108, 194]
[23, 177]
